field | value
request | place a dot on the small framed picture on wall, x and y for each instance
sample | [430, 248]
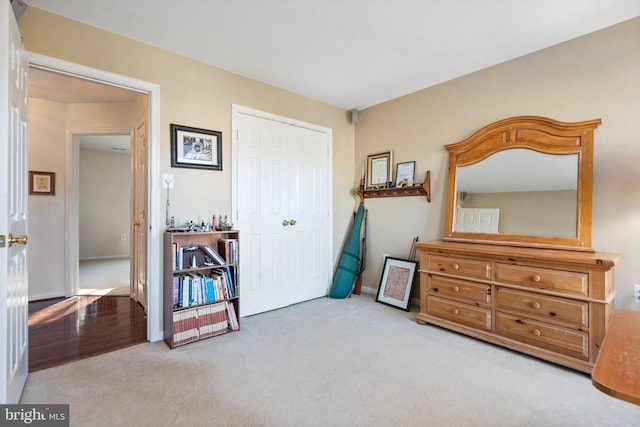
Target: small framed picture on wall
[42, 183]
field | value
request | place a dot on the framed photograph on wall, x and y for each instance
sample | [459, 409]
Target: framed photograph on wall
[396, 282]
[404, 174]
[196, 148]
[379, 167]
[42, 183]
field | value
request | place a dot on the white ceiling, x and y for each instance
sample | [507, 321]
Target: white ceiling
[349, 53]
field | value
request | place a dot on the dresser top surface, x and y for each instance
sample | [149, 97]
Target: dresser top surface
[597, 260]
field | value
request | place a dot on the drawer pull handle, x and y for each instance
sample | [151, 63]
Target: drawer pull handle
[536, 332]
[455, 266]
[535, 305]
[536, 278]
[456, 311]
[456, 289]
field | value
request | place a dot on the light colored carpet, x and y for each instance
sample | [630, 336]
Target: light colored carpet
[327, 362]
[104, 277]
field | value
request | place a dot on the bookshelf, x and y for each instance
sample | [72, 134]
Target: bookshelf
[201, 288]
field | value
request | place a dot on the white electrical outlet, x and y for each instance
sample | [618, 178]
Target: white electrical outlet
[636, 293]
[123, 236]
[167, 180]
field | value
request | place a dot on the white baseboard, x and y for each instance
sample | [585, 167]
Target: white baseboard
[93, 258]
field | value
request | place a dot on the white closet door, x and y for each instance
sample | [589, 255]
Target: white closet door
[309, 251]
[283, 205]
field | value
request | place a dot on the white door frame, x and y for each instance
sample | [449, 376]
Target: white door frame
[72, 206]
[154, 273]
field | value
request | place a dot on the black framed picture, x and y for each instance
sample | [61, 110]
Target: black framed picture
[196, 148]
[396, 282]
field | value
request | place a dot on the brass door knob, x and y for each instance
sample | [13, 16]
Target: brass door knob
[21, 240]
[292, 222]
[136, 224]
[285, 222]
[535, 305]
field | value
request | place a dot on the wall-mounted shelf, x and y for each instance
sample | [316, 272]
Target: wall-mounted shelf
[415, 190]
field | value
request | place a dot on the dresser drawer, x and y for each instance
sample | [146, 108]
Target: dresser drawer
[460, 267]
[460, 313]
[555, 338]
[542, 278]
[547, 308]
[459, 290]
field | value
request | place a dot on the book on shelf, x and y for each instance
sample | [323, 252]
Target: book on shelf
[228, 248]
[227, 279]
[231, 314]
[215, 256]
[212, 320]
[185, 327]
[195, 289]
[176, 292]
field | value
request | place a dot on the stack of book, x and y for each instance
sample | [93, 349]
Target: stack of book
[201, 322]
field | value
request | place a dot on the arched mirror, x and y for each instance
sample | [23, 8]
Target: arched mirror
[524, 181]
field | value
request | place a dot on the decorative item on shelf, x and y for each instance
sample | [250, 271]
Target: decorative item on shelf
[223, 223]
[404, 174]
[379, 167]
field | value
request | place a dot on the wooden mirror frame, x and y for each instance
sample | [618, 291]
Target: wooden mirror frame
[536, 133]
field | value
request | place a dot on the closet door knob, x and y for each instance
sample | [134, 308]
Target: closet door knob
[285, 222]
[536, 278]
[535, 305]
[292, 222]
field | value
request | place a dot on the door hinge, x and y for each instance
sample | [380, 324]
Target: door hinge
[2, 240]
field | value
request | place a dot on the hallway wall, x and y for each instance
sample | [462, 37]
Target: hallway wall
[105, 204]
[48, 125]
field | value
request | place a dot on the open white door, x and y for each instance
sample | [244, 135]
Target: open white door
[13, 211]
[140, 226]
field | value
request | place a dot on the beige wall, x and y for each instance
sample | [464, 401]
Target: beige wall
[594, 76]
[194, 94]
[105, 204]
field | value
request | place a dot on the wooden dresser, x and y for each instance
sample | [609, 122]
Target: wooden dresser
[549, 303]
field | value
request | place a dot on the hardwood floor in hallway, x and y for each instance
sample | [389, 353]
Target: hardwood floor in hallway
[66, 329]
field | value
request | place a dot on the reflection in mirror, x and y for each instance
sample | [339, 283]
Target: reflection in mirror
[518, 192]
